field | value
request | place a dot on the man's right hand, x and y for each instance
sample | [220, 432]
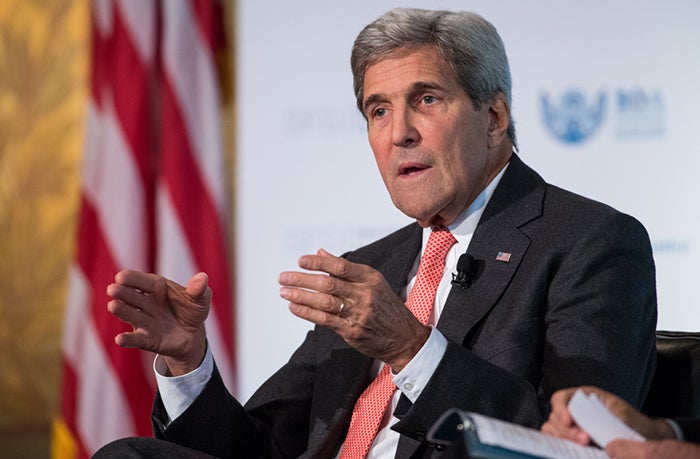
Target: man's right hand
[166, 317]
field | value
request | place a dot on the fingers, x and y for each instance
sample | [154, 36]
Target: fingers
[322, 292]
[570, 432]
[133, 288]
[664, 449]
[148, 300]
[560, 422]
[560, 401]
[335, 266]
[128, 296]
[317, 282]
[125, 312]
[316, 316]
[198, 288]
[144, 290]
[318, 291]
[561, 425]
[320, 297]
[336, 284]
[133, 316]
[627, 413]
[131, 340]
[326, 303]
[134, 305]
[144, 282]
[621, 449]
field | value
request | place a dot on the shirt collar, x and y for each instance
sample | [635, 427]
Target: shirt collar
[465, 224]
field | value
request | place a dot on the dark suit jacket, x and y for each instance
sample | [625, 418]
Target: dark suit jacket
[576, 304]
[690, 428]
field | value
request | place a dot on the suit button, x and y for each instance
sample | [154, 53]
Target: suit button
[439, 447]
[420, 436]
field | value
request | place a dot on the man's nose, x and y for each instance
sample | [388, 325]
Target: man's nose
[404, 133]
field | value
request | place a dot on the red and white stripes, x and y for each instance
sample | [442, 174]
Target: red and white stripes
[189, 217]
[152, 198]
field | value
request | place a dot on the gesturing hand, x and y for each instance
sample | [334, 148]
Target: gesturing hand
[166, 317]
[373, 318]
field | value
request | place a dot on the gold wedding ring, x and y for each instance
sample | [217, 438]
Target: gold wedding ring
[340, 309]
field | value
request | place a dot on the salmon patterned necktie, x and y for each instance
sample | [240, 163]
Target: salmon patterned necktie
[372, 404]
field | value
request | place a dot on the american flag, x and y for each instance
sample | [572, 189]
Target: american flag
[152, 198]
[503, 256]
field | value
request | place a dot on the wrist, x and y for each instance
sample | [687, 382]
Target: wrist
[191, 359]
[413, 346]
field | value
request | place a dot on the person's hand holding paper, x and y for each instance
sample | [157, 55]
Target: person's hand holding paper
[590, 415]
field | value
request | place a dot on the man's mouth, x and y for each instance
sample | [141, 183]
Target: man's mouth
[412, 169]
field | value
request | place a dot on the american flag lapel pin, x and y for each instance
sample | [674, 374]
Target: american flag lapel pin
[503, 256]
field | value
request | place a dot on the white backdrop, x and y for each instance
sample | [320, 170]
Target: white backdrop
[306, 176]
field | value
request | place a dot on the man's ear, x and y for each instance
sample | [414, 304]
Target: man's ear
[499, 119]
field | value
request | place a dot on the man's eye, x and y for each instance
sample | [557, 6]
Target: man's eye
[379, 112]
[429, 99]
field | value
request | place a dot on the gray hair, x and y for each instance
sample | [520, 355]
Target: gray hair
[468, 43]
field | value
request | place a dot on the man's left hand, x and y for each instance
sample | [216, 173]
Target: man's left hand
[356, 302]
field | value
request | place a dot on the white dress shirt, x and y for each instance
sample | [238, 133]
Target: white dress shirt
[179, 392]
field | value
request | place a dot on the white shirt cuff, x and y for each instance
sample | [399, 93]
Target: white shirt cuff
[178, 392]
[413, 378]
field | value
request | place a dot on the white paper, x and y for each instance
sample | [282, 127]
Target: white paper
[595, 418]
[495, 432]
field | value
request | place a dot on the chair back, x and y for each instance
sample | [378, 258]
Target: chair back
[675, 389]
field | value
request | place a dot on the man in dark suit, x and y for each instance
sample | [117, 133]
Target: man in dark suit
[665, 438]
[560, 292]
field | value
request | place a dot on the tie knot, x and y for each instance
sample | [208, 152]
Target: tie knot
[439, 242]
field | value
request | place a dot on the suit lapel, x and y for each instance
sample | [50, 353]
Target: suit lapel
[403, 256]
[341, 386]
[516, 201]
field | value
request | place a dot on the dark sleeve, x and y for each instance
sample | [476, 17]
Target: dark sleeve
[276, 421]
[690, 429]
[584, 313]
[215, 423]
[601, 314]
